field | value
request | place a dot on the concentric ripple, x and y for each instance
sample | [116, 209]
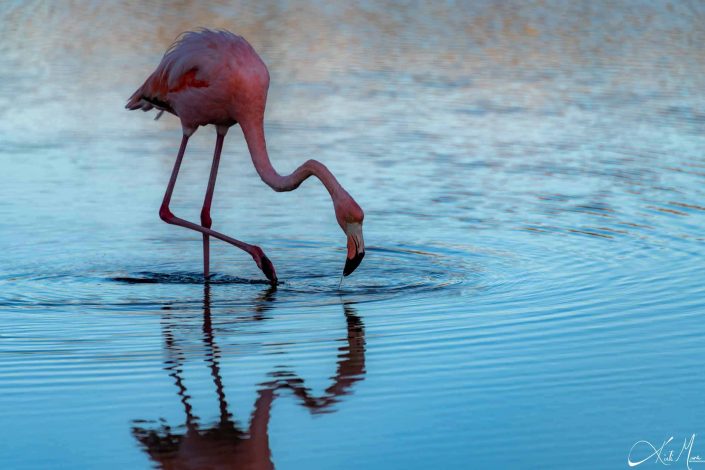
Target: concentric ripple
[385, 273]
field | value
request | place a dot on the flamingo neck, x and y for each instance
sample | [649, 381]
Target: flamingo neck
[254, 135]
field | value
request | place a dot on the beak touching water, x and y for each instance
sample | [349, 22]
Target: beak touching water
[356, 247]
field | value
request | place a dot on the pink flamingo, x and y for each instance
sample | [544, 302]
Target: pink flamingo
[216, 77]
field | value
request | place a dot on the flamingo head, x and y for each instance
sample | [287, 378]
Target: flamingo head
[350, 217]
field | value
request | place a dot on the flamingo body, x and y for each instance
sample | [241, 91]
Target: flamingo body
[206, 77]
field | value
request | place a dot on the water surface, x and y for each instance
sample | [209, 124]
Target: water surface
[532, 296]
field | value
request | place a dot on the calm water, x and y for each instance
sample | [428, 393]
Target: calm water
[533, 178]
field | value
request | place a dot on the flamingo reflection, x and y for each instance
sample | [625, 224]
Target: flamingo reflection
[225, 445]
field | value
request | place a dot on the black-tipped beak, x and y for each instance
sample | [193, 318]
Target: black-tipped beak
[268, 270]
[352, 263]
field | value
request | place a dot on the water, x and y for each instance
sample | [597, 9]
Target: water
[532, 297]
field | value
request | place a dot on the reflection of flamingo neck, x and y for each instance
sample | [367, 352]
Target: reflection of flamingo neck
[351, 368]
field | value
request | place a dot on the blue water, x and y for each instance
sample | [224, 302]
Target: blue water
[533, 178]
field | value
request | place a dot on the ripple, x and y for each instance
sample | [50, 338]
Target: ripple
[387, 272]
[147, 277]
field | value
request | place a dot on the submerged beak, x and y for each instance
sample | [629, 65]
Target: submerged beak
[356, 248]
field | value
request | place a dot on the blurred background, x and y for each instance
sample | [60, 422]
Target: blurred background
[532, 175]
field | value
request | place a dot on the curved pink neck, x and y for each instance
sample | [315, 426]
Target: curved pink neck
[254, 135]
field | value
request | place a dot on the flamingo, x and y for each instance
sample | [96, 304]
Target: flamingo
[216, 77]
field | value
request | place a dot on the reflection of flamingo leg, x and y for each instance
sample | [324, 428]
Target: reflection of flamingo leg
[174, 366]
[214, 355]
[259, 425]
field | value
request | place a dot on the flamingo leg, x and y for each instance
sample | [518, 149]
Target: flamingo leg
[206, 211]
[165, 214]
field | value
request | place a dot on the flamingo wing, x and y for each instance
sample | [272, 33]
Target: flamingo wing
[189, 63]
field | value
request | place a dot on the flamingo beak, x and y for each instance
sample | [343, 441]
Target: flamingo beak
[356, 248]
[268, 270]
